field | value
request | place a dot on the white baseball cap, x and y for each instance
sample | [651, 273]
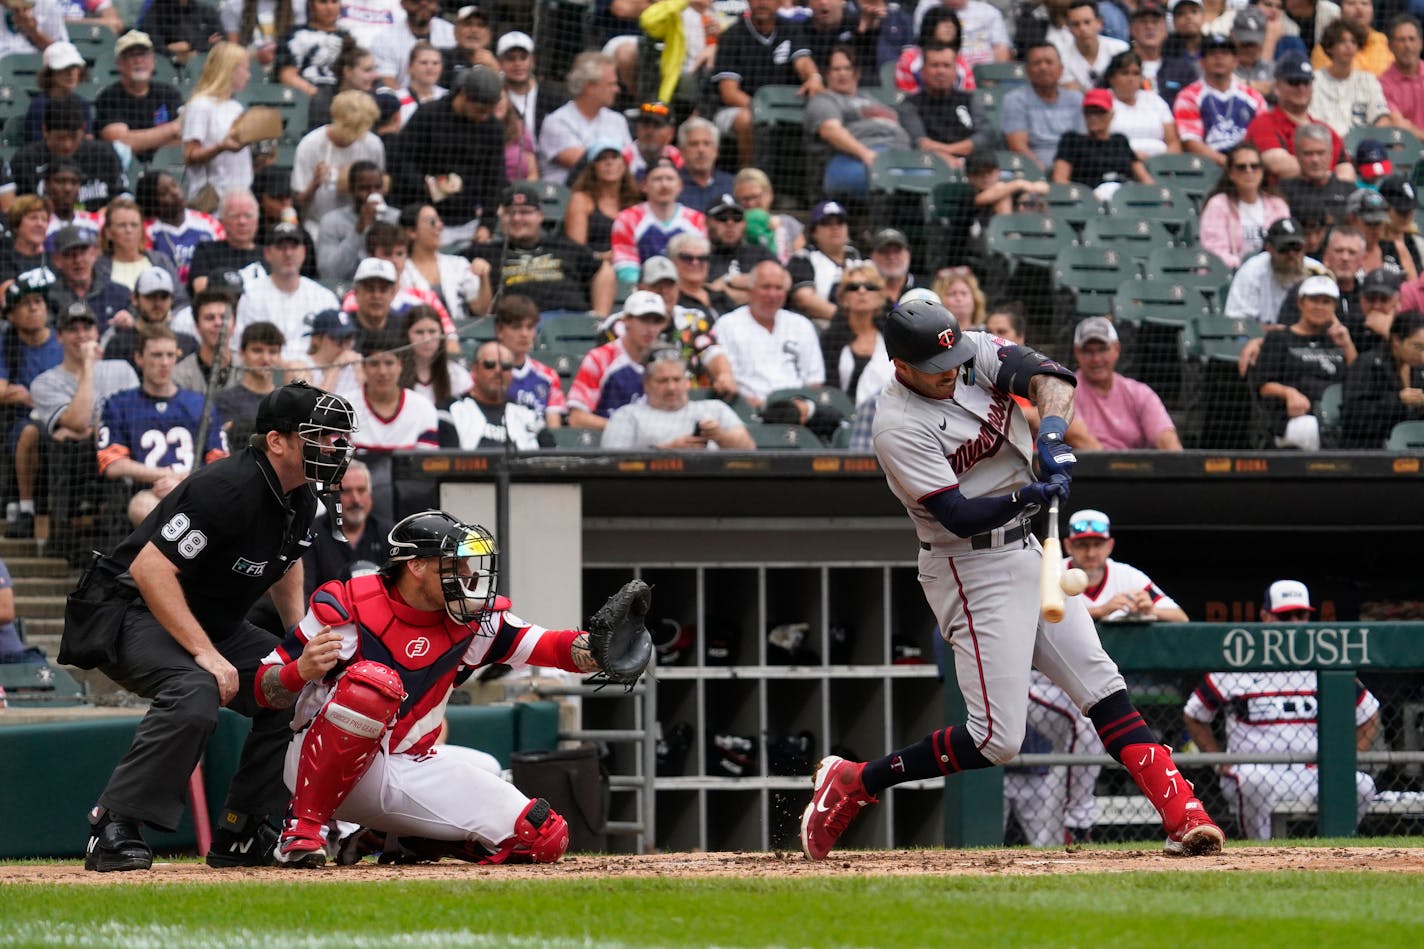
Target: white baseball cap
[1285, 596]
[153, 280]
[62, 55]
[644, 303]
[658, 268]
[1318, 286]
[514, 39]
[374, 268]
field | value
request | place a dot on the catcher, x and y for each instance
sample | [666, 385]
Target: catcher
[370, 668]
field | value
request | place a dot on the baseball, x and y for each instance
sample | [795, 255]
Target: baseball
[1074, 581]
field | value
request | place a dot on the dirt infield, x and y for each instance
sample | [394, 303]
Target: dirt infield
[880, 863]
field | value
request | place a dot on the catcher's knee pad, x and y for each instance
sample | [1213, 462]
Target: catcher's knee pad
[342, 740]
[540, 836]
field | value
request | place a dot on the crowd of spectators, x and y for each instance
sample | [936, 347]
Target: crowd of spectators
[450, 192]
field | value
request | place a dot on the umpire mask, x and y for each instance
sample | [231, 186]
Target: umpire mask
[326, 442]
[469, 560]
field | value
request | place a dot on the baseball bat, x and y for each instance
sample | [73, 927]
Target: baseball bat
[1050, 593]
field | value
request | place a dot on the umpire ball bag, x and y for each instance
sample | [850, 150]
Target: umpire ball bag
[574, 783]
[94, 615]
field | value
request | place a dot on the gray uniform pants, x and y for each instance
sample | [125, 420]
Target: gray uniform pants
[151, 780]
[987, 604]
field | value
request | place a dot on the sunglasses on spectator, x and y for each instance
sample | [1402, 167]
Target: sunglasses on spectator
[1291, 248]
[694, 258]
[492, 365]
[1299, 82]
[861, 285]
[1247, 166]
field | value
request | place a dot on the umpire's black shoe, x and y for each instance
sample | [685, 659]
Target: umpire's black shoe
[242, 841]
[115, 844]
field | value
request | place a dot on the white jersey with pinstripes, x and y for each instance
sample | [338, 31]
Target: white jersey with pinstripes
[977, 441]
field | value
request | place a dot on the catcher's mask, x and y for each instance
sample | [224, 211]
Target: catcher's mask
[324, 423]
[469, 560]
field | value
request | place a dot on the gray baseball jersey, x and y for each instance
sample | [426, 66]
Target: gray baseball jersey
[985, 597]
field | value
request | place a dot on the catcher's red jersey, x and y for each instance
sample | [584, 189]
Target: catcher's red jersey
[427, 649]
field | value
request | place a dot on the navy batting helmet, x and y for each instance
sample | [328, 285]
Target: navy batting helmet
[927, 336]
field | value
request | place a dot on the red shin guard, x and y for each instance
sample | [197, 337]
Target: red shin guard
[340, 745]
[540, 836]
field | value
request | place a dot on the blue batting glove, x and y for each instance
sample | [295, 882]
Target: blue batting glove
[1055, 456]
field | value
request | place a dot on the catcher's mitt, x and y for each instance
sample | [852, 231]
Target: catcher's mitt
[618, 636]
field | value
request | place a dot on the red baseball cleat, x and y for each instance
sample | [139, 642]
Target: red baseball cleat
[1197, 835]
[300, 846]
[836, 798]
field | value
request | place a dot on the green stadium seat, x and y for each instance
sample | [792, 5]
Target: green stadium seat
[1074, 203]
[908, 171]
[823, 396]
[1159, 302]
[739, 405]
[569, 328]
[1192, 173]
[554, 200]
[1037, 238]
[567, 437]
[40, 685]
[988, 103]
[1192, 266]
[778, 105]
[1001, 76]
[886, 95]
[480, 329]
[1136, 238]
[1094, 274]
[777, 437]
[1014, 165]
[169, 158]
[12, 134]
[13, 99]
[1403, 146]
[1328, 412]
[1406, 436]
[1220, 338]
[21, 70]
[1172, 206]
[887, 74]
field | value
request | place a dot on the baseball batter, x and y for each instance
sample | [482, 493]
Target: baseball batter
[959, 457]
[370, 669]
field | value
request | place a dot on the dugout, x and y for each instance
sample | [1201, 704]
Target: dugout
[739, 544]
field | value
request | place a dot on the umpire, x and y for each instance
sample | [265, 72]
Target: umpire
[183, 581]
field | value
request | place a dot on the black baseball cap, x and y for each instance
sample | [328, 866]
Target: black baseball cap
[1285, 231]
[1399, 192]
[76, 312]
[523, 194]
[480, 84]
[927, 336]
[273, 182]
[1216, 41]
[725, 206]
[1382, 281]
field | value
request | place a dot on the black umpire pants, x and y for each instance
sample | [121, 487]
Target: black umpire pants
[151, 781]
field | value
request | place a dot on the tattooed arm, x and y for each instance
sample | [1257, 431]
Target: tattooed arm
[1052, 395]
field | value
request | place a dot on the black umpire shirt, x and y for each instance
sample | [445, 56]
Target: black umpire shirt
[231, 533]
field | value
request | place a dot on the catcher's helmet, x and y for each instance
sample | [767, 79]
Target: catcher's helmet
[323, 420]
[469, 560]
[927, 336]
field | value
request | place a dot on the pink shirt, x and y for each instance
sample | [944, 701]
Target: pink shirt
[1129, 416]
[1405, 94]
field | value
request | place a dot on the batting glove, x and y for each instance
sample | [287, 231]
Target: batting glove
[1041, 491]
[1055, 456]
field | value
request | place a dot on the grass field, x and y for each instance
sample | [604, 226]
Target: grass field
[1195, 908]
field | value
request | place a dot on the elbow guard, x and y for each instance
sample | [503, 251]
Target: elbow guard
[1019, 364]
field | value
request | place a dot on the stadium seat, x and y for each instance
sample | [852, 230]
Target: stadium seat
[1406, 436]
[1192, 266]
[739, 405]
[1001, 76]
[1136, 238]
[1159, 302]
[12, 135]
[823, 396]
[292, 103]
[1037, 238]
[886, 95]
[1192, 173]
[554, 200]
[567, 437]
[568, 327]
[784, 437]
[908, 171]
[887, 74]
[1220, 338]
[169, 158]
[480, 329]
[1403, 146]
[988, 103]
[36, 684]
[13, 99]
[1014, 165]
[1328, 412]
[563, 357]
[778, 105]
[1172, 206]
[21, 70]
[1094, 274]
[1074, 203]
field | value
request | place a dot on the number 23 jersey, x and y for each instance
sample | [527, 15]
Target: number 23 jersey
[158, 431]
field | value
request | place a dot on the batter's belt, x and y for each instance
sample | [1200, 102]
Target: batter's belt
[994, 538]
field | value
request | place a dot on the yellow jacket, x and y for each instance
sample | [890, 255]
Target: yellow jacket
[1373, 57]
[663, 22]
